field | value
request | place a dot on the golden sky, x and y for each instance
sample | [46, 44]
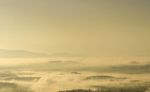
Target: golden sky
[83, 27]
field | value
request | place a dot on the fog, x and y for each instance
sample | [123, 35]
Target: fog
[60, 74]
[74, 46]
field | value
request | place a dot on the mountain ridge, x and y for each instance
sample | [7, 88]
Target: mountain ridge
[8, 53]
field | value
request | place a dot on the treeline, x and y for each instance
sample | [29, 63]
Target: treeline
[113, 89]
[80, 90]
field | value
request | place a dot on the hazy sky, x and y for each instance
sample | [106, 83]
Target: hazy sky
[86, 27]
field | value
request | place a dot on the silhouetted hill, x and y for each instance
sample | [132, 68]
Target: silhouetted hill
[20, 54]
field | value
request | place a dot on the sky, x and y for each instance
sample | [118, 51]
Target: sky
[78, 27]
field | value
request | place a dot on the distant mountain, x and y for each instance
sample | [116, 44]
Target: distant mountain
[4, 53]
[104, 77]
[131, 68]
[67, 55]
